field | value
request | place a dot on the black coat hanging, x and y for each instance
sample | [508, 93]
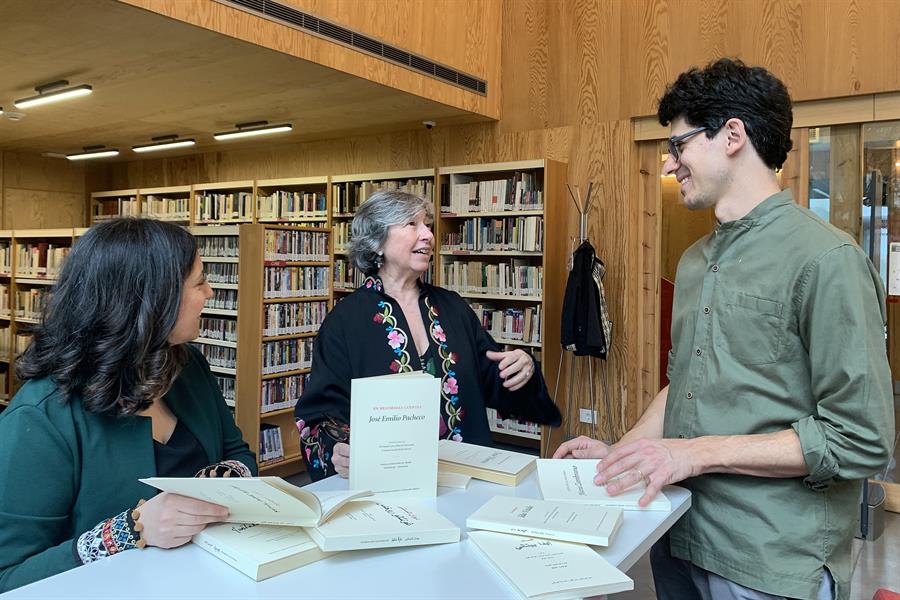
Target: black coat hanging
[585, 327]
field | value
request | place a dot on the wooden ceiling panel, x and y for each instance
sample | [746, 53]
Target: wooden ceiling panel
[155, 76]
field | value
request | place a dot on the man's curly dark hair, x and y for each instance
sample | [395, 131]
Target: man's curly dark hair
[726, 89]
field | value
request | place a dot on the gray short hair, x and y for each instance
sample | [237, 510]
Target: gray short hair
[369, 229]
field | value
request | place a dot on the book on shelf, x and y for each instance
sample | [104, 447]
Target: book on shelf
[548, 569]
[562, 521]
[490, 464]
[394, 421]
[572, 480]
[259, 551]
[364, 524]
[259, 500]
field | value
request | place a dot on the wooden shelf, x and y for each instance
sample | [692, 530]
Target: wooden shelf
[224, 286]
[496, 213]
[288, 459]
[276, 413]
[502, 342]
[383, 176]
[521, 434]
[220, 259]
[26, 280]
[212, 342]
[267, 376]
[28, 320]
[289, 336]
[223, 370]
[537, 299]
[477, 253]
[225, 312]
[296, 299]
[297, 263]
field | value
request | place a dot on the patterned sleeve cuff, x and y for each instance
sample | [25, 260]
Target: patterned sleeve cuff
[109, 537]
[226, 468]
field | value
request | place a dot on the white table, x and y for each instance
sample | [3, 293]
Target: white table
[451, 571]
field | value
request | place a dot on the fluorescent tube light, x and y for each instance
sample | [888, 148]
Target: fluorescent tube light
[164, 142]
[93, 152]
[251, 129]
[45, 96]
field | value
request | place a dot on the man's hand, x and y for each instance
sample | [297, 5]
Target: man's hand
[341, 459]
[582, 447]
[653, 461]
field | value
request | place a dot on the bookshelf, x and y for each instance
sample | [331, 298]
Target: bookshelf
[219, 249]
[112, 204]
[284, 296]
[171, 204]
[224, 203]
[30, 260]
[348, 192]
[297, 201]
[500, 238]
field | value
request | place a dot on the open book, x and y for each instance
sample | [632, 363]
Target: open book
[259, 551]
[371, 524]
[550, 570]
[562, 521]
[259, 500]
[490, 464]
[572, 480]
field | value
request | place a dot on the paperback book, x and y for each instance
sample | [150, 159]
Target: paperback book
[480, 462]
[259, 551]
[572, 480]
[561, 521]
[550, 570]
[260, 500]
[364, 524]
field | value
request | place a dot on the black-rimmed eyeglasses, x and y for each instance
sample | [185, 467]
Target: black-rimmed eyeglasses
[677, 141]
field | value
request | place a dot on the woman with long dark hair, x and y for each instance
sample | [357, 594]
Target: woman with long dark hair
[112, 393]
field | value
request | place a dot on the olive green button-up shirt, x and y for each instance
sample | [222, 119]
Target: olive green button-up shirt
[777, 323]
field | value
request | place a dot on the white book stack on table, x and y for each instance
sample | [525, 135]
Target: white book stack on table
[480, 462]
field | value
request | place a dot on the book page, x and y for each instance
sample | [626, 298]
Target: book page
[248, 499]
[572, 480]
[326, 502]
[394, 423]
[259, 543]
[374, 524]
[482, 457]
[549, 569]
[453, 480]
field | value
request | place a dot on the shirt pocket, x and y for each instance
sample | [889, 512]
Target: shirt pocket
[752, 329]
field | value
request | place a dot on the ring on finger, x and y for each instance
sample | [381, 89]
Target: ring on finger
[644, 478]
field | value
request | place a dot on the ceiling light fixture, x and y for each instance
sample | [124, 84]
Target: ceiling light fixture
[164, 142]
[251, 129]
[52, 92]
[93, 152]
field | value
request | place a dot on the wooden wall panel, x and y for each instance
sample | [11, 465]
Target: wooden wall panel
[38, 192]
[464, 35]
[845, 176]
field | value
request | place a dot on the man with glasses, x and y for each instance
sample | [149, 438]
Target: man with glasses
[780, 402]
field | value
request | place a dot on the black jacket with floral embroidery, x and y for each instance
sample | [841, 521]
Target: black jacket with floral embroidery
[366, 335]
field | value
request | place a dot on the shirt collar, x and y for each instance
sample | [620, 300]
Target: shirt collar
[763, 212]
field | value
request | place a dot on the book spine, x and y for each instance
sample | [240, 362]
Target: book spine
[594, 540]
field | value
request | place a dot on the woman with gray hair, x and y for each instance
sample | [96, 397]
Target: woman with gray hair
[396, 323]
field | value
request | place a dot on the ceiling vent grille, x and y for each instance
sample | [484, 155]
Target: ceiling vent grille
[297, 19]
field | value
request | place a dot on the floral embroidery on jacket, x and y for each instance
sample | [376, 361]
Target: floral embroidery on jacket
[317, 443]
[397, 338]
[449, 383]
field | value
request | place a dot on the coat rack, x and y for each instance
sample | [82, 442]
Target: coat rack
[571, 412]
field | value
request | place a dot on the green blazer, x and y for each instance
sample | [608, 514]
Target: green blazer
[63, 470]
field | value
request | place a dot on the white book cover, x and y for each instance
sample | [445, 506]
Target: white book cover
[259, 551]
[394, 424]
[572, 480]
[548, 569]
[259, 500]
[367, 524]
[482, 457]
[564, 521]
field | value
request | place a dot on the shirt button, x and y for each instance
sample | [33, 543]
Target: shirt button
[715, 268]
[689, 395]
[698, 352]
[705, 310]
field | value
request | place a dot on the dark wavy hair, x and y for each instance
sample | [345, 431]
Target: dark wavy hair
[104, 332]
[727, 89]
